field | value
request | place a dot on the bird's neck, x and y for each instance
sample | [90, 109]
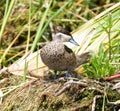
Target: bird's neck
[57, 39]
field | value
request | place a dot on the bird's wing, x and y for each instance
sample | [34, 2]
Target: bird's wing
[67, 49]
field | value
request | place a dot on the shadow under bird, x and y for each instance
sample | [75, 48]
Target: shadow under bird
[58, 57]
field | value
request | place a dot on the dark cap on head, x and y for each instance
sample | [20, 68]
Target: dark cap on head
[60, 29]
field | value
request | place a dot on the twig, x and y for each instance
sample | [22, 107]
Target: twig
[68, 85]
[96, 89]
[63, 89]
[116, 76]
[81, 83]
[114, 103]
[94, 102]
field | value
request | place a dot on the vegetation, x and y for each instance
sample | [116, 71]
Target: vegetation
[27, 25]
[100, 66]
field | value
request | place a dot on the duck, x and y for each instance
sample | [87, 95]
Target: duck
[57, 56]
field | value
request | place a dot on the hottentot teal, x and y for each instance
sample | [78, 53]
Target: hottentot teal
[57, 56]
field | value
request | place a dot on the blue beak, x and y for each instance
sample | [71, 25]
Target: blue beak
[74, 42]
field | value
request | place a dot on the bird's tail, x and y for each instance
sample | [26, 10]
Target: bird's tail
[83, 58]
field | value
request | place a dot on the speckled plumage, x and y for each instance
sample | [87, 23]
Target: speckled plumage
[57, 56]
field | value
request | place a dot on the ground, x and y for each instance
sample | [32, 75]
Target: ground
[62, 94]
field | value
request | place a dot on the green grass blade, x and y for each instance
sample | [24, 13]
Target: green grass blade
[7, 13]
[38, 35]
[40, 30]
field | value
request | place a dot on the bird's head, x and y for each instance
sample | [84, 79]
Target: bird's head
[65, 36]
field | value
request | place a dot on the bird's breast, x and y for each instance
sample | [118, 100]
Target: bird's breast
[55, 56]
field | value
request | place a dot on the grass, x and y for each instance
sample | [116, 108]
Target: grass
[100, 66]
[69, 16]
[6, 15]
[24, 24]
